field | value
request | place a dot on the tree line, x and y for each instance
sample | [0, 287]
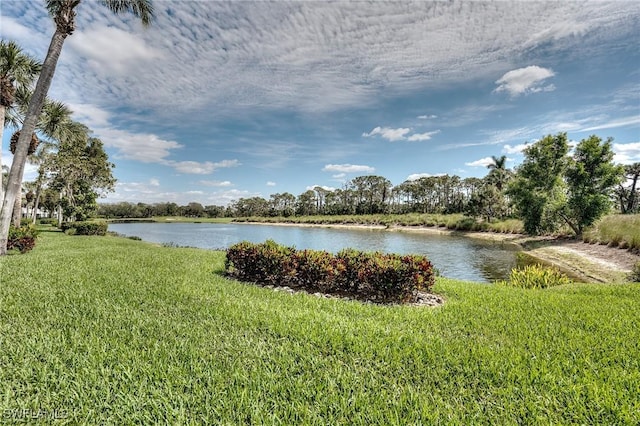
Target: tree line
[552, 188]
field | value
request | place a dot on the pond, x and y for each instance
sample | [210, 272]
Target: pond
[454, 256]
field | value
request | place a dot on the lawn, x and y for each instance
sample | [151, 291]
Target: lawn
[106, 330]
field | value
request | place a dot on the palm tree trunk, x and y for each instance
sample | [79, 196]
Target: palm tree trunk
[17, 212]
[28, 128]
[2, 111]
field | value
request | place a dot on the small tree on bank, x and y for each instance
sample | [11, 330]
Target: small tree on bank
[551, 189]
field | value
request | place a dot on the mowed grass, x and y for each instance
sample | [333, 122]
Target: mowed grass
[107, 330]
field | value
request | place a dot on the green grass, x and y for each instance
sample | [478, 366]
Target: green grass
[616, 230]
[108, 330]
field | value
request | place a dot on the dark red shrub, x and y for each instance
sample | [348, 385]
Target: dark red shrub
[379, 277]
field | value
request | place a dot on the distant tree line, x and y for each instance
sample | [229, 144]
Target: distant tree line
[550, 189]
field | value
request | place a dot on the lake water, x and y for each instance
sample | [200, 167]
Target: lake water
[454, 256]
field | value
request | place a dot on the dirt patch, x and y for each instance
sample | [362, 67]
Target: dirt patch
[587, 262]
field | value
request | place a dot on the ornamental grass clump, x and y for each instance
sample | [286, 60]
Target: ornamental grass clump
[377, 277]
[536, 277]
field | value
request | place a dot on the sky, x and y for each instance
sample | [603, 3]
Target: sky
[217, 101]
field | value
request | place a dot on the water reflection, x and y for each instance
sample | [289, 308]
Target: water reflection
[454, 256]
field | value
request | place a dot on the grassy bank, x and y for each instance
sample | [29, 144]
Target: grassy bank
[105, 330]
[616, 231]
[449, 221]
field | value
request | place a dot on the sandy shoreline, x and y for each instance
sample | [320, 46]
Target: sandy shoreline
[587, 262]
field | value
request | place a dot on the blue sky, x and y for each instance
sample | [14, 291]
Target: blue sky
[217, 101]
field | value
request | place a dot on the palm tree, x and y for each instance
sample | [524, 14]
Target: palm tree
[54, 122]
[63, 14]
[17, 71]
[498, 173]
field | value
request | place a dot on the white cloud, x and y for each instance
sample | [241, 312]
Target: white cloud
[315, 56]
[348, 168]
[215, 183]
[427, 117]
[200, 168]
[422, 136]
[269, 183]
[626, 153]
[143, 147]
[109, 49]
[325, 187]
[91, 115]
[389, 133]
[399, 134]
[416, 176]
[525, 80]
[154, 182]
[516, 149]
[339, 175]
[483, 162]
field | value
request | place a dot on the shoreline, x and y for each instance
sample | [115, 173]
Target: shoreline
[584, 261]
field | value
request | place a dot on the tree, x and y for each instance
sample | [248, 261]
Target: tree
[538, 189]
[591, 177]
[17, 71]
[63, 14]
[551, 188]
[80, 172]
[628, 196]
[498, 173]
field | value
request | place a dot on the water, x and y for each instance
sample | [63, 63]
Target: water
[454, 256]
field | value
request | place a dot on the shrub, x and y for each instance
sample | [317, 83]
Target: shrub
[22, 239]
[536, 276]
[48, 221]
[377, 277]
[85, 228]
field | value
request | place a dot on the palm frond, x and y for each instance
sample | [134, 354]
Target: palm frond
[142, 9]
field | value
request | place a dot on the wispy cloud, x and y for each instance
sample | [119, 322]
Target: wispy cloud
[619, 122]
[215, 183]
[526, 80]
[200, 168]
[389, 133]
[399, 134]
[483, 162]
[348, 168]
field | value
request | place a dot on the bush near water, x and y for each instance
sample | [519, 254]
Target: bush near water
[377, 277]
[85, 228]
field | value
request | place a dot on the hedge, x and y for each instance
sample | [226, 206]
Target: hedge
[376, 277]
[85, 228]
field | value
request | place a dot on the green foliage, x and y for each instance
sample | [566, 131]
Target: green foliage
[48, 221]
[552, 189]
[23, 238]
[538, 188]
[591, 176]
[85, 228]
[379, 277]
[536, 277]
